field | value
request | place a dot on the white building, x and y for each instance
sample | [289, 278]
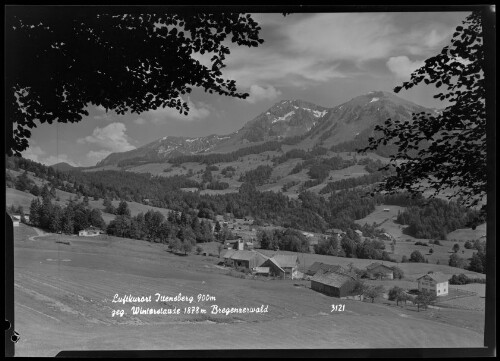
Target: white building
[16, 220]
[434, 282]
[90, 232]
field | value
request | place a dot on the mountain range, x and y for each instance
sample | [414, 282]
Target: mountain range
[307, 123]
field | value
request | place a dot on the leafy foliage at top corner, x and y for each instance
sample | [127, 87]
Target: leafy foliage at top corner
[61, 59]
[446, 149]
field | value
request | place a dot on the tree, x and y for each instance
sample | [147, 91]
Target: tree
[478, 262]
[108, 206]
[220, 247]
[62, 58]
[373, 292]
[445, 150]
[175, 244]
[456, 247]
[398, 273]
[123, 209]
[35, 190]
[417, 257]
[186, 246]
[424, 299]
[34, 212]
[152, 224]
[23, 183]
[395, 294]
[456, 261]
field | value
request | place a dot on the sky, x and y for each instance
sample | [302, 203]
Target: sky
[323, 58]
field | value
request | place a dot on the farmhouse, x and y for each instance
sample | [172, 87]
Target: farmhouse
[90, 232]
[308, 234]
[283, 266]
[377, 270]
[338, 233]
[435, 282]
[326, 268]
[243, 259]
[386, 236]
[238, 244]
[16, 219]
[334, 284]
[358, 232]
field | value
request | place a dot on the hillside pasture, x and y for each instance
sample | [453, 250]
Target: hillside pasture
[440, 253]
[64, 300]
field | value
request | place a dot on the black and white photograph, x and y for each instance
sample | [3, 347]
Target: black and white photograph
[248, 179]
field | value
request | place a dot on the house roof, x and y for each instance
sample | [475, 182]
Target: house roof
[273, 261]
[229, 253]
[244, 255]
[286, 260]
[436, 276]
[316, 266]
[376, 265]
[332, 279]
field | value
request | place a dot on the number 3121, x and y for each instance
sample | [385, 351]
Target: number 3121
[338, 308]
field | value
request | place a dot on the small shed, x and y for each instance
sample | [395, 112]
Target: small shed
[358, 232]
[377, 270]
[334, 284]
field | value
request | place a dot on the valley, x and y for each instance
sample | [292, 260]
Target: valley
[282, 185]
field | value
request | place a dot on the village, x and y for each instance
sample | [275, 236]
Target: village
[343, 282]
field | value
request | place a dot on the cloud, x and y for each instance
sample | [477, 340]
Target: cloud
[140, 121]
[198, 110]
[36, 154]
[258, 93]
[111, 137]
[33, 153]
[317, 48]
[402, 66]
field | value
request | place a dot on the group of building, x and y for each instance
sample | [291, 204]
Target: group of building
[16, 219]
[332, 280]
[280, 265]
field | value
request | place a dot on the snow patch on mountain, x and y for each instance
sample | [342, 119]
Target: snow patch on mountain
[319, 114]
[374, 100]
[284, 116]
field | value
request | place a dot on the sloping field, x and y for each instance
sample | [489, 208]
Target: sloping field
[64, 300]
[466, 234]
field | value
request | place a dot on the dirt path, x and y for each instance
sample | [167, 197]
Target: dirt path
[39, 232]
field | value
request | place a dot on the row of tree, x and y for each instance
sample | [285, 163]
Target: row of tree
[435, 218]
[73, 218]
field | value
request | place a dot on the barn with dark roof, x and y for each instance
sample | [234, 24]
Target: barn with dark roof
[316, 266]
[334, 284]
